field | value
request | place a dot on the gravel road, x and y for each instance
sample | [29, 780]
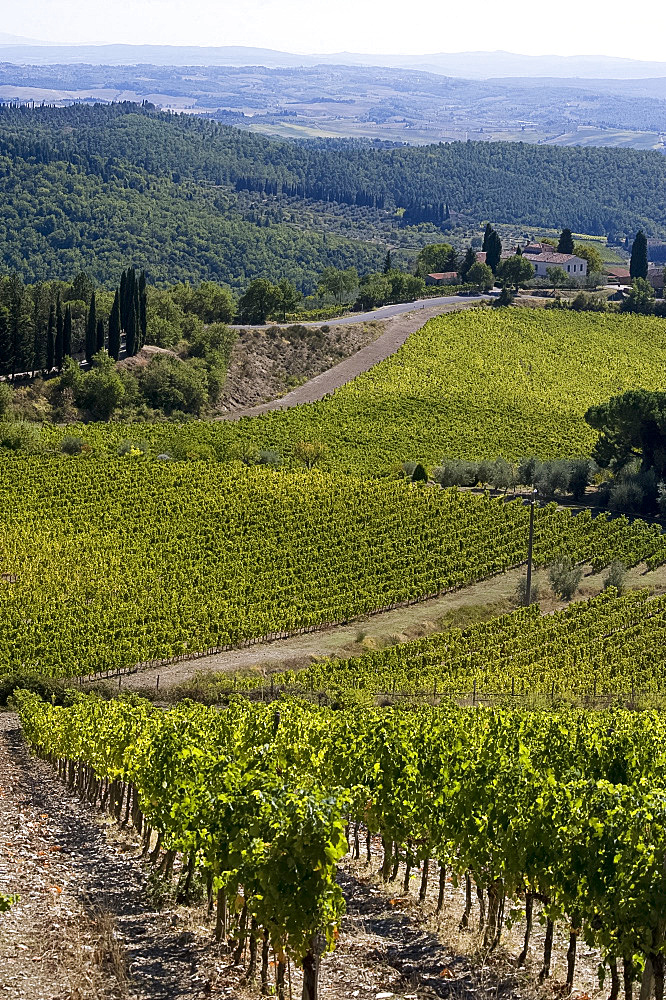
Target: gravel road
[403, 321]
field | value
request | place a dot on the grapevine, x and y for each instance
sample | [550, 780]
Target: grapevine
[107, 564]
[568, 808]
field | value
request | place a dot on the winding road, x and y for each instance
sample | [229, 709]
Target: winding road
[404, 319]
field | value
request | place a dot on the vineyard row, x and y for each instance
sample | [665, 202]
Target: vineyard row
[105, 565]
[564, 808]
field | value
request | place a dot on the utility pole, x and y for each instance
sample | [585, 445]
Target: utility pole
[530, 545]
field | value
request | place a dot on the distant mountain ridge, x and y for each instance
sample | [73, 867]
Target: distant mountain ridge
[6, 39]
[472, 65]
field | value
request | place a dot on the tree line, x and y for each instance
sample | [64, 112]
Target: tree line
[43, 324]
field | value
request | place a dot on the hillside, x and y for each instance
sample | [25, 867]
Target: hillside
[128, 546]
[477, 65]
[471, 385]
[93, 187]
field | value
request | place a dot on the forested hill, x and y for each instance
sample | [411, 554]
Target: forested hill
[92, 186]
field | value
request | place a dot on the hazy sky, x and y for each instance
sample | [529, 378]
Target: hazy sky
[382, 26]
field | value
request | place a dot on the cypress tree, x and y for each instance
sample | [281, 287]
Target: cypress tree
[493, 251]
[50, 339]
[467, 264]
[123, 301]
[38, 343]
[130, 329]
[67, 332]
[143, 317]
[388, 262]
[565, 243]
[5, 341]
[59, 338]
[17, 326]
[137, 317]
[91, 330]
[100, 335]
[114, 327]
[486, 236]
[638, 266]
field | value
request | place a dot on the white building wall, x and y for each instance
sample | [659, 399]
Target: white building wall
[576, 267]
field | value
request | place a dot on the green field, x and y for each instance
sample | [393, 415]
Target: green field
[107, 563]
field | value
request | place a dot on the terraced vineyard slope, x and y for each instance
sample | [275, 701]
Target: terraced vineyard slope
[107, 563]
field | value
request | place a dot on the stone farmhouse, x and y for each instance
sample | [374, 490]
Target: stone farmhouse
[542, 256]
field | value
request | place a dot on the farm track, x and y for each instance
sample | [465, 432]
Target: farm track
[399, 327]
[398, 625]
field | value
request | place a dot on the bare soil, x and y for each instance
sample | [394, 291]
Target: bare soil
[143, 357]
[84, 928]
[267, 362]
[396, 331]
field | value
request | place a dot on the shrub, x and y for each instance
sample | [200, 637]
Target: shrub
[6, 396]
[552, 477]
[640, 299]
[484, 471]
[19, 436]
[48, 688]
[521, 592]
[583, 302]
[581, 471]
[269, 457]
[565, 577]
[172, 385]
[453, 472]
[214, 339]
[503, 474]
[505, 297]
[633, 494]
[72, 444]
[661, 498]
[527, 468]
[615, 576]
[419, 475]
[309, 452]
[133, 449]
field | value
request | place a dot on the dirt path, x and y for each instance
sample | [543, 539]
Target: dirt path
[335, 640]
[420, 954]
[398, 329]
[83, 928]
[481, 600]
